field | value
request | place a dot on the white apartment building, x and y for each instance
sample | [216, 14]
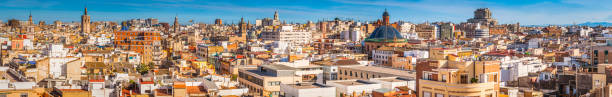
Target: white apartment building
[513, 67]
[288, 35]
[58, 67]
[308, 90]
[381, 56]
[534, 43]
[350, 87]
[57, 50]
[394, 82]
[302, 67]
[407, 28]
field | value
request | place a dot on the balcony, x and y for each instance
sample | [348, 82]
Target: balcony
[457, 89]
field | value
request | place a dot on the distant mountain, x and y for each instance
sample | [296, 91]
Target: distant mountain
[590, 24]
[593, 24]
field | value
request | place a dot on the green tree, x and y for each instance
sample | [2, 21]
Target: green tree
[234, 77]
[474, 80]
[144, 68]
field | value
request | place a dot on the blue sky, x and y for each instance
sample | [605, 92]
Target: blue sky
[529, 12]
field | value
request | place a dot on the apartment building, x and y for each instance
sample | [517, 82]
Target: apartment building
[393, 57]
[146, 43]
[354, 88]
[266, 79]
[368, 72]
[288, 35]
[308, 90]
[441, 78]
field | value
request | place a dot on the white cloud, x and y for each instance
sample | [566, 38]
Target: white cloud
[28, 3]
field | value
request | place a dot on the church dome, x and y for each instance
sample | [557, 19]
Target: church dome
[385, 33]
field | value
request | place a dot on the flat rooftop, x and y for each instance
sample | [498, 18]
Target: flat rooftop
[337, 62]
[395, 79]
[308, 85]
[353, 82]
[391, 71]
[278, 67]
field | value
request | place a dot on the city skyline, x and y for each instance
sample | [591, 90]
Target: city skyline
[538, 12]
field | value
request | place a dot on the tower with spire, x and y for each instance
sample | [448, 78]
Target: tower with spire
[242, 27]
[176, 25]
[30, 19]
[85, 22]
[276, 15]
[385, 17]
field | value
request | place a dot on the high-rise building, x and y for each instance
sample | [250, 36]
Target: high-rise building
[85, 22]
[151, 21]
[480, 32]
[446, 31]
[483, 16]
[146, 43]
[426, 31]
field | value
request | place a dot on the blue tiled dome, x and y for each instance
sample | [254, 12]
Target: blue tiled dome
[385, 34]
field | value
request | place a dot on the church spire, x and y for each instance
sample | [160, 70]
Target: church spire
[385, 17]
[276, 15]
[85, 12]
[176, 24]
[242, 20]
[30, 19]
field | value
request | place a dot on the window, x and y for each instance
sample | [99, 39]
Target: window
[24, 95]
[275, 93]
[426, 94]
[439, 95]
[274, 83]
[361, 75]
[444, 77]
[495, 77]
[464, 79]
[427, 76]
